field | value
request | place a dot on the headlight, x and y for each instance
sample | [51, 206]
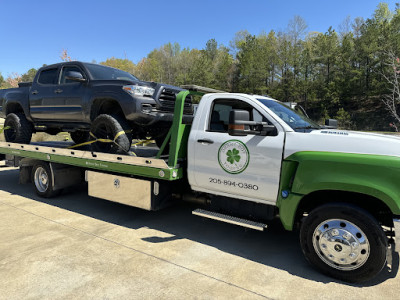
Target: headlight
[137, 90]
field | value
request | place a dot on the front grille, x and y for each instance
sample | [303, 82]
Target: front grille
[167, 101]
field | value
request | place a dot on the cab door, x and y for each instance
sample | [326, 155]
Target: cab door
[44, 94]
[55, 98]
[71, 95]
[246, 167]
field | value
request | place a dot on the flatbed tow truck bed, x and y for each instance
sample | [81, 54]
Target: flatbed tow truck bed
[144, 163]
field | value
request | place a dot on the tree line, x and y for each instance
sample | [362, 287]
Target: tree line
[348, 74]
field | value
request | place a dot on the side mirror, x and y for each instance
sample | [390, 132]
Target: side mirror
[240, 124]
[75, 76]
[330, 124]
[237, 121]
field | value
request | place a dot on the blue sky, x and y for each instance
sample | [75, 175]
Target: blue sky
[34, 33]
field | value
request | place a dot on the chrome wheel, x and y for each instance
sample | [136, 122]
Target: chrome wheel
[41, 179]
[341, 244]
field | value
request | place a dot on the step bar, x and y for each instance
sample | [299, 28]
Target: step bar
[229, 219]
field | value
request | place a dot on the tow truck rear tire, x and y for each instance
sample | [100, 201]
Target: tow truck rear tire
[43, 180]
[344, 241]
[19, 129]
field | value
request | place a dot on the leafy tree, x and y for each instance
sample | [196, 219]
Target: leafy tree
[123, 64]
[1, 81]
[29, 76]
[65, 56]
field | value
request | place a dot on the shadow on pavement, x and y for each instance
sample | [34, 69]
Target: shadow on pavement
[275, 247]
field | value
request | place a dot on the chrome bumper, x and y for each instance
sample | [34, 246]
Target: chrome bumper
[396, 223]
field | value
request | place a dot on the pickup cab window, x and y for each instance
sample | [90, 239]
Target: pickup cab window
[295, 120]
[219, 120]
[48, 76]
[67, 69]
[106, 73]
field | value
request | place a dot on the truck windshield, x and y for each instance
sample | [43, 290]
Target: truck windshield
[296, 121]
[99, 72]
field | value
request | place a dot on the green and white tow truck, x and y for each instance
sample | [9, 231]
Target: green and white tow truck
[246, 159]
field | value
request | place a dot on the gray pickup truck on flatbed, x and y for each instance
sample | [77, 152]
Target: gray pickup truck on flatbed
[81, 97]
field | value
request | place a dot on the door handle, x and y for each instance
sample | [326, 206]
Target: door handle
[35, 92]
[205, 141]
[58, 91]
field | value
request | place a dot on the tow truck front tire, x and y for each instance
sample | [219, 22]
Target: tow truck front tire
[344, 241]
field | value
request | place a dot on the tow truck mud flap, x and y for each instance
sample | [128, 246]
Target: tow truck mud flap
[145, 194]
[396, 223]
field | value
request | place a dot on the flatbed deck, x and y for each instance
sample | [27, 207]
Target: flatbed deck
[144, 163]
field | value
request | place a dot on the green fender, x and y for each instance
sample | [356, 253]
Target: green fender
[307, 172]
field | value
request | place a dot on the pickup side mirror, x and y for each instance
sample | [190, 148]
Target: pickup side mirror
[237, 121]
[240, 124]
[330, 124]
[75, 76]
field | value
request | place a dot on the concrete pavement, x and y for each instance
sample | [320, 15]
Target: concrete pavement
[75, 246]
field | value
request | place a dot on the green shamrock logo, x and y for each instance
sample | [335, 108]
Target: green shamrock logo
[233, 155]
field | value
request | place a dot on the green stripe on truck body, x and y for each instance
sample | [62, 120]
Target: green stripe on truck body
[307, 172]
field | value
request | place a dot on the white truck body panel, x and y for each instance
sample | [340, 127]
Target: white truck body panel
[259, 181]
[333, 140]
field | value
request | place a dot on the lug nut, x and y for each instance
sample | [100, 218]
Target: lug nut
[335, 232]
[346, 236]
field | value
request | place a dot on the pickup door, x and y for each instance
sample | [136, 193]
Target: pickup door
[55, 98]
[246, 167]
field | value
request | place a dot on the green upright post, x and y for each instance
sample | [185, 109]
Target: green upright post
[177, 128]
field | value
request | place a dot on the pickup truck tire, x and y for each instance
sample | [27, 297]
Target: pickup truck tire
[107, 127]
[344, 241]
[80, 136]
[42, 180]
[20, 129]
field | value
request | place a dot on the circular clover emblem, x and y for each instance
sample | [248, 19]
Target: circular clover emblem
[233, 157]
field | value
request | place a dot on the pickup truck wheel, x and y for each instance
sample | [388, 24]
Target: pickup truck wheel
[43, 180]
[19, 129]
[80, 136]
[107, 127]
[344, 241]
